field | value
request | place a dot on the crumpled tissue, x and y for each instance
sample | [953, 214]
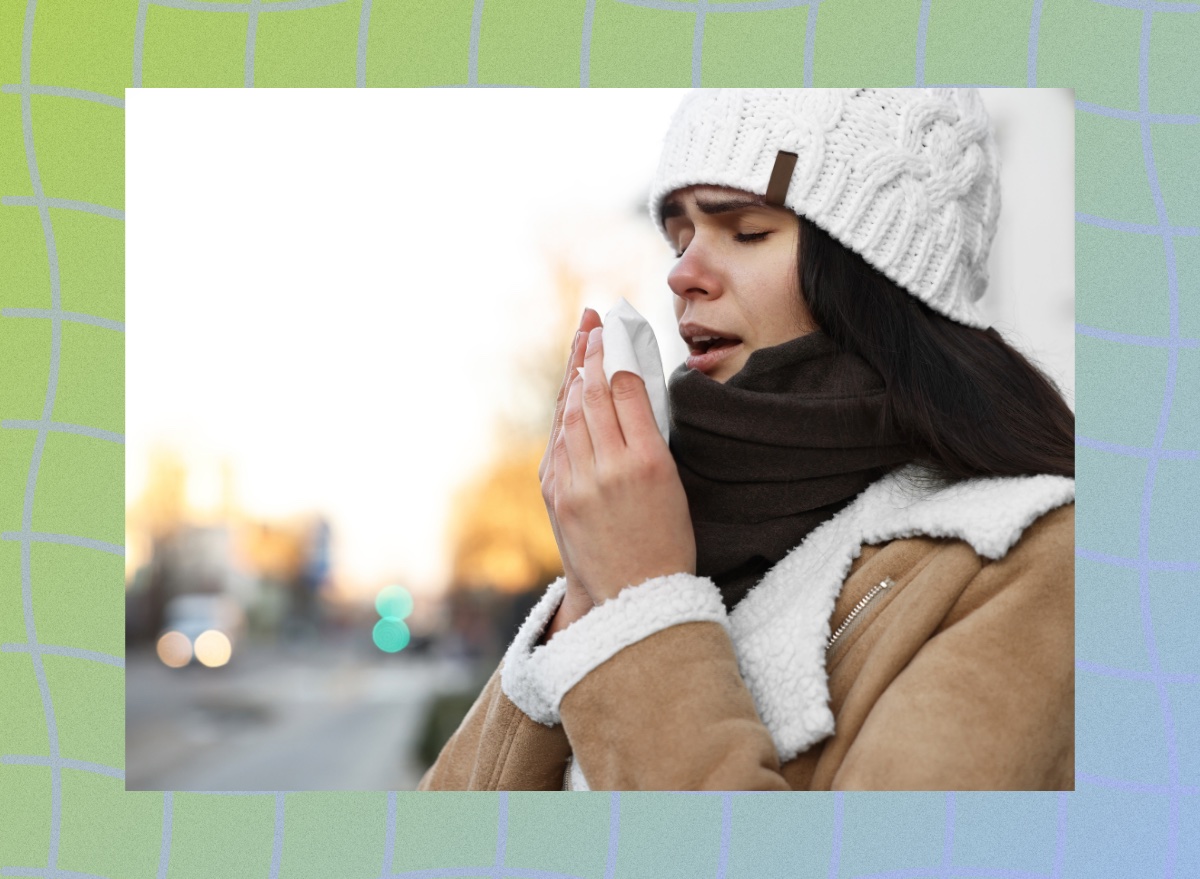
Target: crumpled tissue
[630, 345]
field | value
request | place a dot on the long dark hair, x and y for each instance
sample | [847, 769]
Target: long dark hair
[967, 402]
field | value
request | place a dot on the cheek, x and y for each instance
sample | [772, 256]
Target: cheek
[779, 293]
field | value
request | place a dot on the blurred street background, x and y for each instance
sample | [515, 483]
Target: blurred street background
[348, 317]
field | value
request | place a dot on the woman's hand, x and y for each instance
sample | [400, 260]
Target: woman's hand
[620, 508]
[576, 602]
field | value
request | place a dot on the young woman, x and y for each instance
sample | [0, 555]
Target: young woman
[853, 566]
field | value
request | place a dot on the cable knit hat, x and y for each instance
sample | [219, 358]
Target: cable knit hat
[908, 178]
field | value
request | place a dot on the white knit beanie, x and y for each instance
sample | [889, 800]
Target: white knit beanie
[908, 178]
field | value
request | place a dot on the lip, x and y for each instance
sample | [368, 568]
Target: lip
[709, 360]
[691, 330]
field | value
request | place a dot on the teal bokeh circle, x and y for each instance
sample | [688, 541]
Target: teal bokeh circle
[394, 601]
[390, 635]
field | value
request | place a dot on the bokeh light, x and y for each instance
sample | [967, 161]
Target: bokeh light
[213, 648]
[394, 601]
[174, 649]
[390, 635]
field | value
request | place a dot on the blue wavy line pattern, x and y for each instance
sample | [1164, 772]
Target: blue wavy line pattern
[1138, 769]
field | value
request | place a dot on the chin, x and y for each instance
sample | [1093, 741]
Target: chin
[726, 371]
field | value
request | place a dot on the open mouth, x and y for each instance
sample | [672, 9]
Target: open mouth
[702, 345]
[705, 355]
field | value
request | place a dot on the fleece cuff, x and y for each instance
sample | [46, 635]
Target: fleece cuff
[537, 678]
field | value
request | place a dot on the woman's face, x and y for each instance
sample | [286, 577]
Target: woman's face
[736, 276]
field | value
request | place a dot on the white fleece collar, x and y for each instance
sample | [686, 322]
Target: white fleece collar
[781, 627]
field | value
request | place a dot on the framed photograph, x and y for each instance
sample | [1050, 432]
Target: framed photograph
[351, 346]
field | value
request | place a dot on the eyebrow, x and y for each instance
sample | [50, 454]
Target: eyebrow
[672, 208]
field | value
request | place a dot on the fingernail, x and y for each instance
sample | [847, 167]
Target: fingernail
[595, 336]
[578, 339]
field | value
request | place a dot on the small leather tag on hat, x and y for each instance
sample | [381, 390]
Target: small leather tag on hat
[781, 177]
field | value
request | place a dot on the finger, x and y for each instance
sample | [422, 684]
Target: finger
[634, 412]
[577, 441]
[573, 360]
[561, 465]
[605, 431]
[562, 388]
[589, 320]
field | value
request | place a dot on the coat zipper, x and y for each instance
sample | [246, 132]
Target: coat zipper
[854, 612]
[858, 608]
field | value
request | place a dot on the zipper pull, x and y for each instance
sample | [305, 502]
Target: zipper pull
[857, 609]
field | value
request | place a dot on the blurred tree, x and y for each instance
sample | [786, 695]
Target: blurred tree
[500, 534]
[538, 369]
[163, 504]
[276, 550]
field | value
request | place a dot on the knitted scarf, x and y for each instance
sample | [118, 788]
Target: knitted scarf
[773, 452]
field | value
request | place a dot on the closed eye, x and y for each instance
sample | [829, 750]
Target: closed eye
[741, 237]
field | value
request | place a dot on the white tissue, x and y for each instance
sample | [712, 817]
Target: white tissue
[629, 345]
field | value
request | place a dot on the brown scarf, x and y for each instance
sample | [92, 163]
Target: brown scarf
[773, 452]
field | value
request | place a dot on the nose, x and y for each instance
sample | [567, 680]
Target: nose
[694, 275]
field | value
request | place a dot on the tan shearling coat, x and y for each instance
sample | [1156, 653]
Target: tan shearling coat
[953, 667]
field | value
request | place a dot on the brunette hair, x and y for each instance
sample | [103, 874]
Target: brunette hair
[967, 402]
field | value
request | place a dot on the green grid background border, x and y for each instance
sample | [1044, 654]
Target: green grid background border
[64, 66]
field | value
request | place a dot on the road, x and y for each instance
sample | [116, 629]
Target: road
[314, 716]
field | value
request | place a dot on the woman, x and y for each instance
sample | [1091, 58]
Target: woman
[853, 565]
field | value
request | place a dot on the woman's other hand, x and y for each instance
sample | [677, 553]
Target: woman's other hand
[620, 508]
[576, 602]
